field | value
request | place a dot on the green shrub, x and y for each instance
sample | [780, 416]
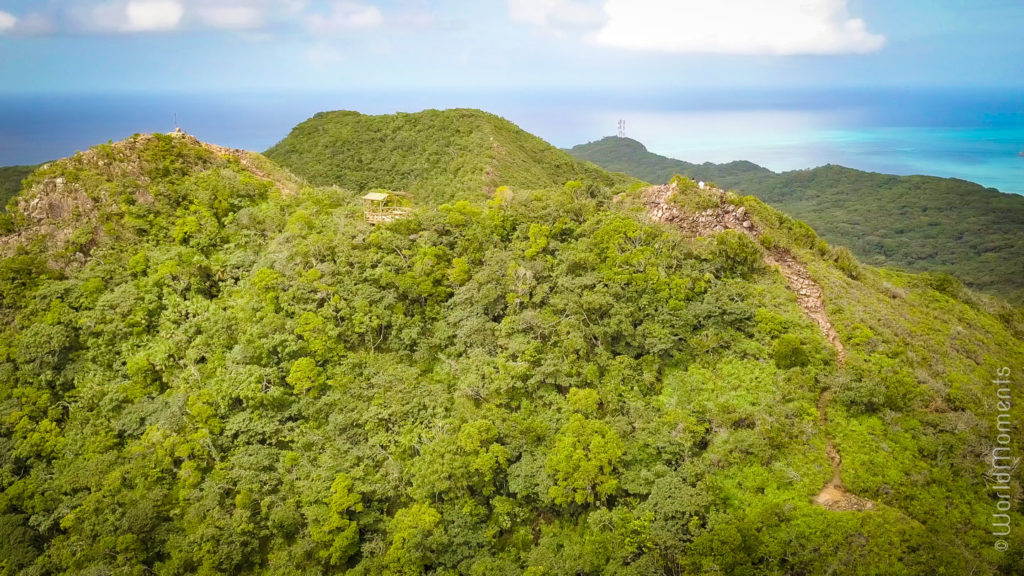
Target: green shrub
[944, 283]
[803, 234]
[305, 375]
[880, 382]
[736, 254]
[691, 198]
[584, 400]
[6, 224]
[769, 240]
[847, 263]
[788, 353]
[584, 462]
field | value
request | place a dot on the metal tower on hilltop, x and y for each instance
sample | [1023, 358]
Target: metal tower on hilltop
[177, 128]
[622, 128]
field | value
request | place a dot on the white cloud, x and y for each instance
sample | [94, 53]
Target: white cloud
[125, 16]
[7, 21]
[34, 24]
[345, 16]
[320, 19]
[556, 14]
[141, 16]
[152, 15]
[230, 16]
[783, 27]
[243, 14]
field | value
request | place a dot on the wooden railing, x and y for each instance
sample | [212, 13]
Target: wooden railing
[385, 214]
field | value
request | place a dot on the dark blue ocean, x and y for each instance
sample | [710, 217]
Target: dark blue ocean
[975, 135]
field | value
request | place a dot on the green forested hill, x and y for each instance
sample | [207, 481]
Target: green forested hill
[918, 223]
[631, 157]
[436, 155]
[208, 370]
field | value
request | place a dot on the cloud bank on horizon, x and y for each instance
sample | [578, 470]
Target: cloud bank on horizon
[77, 17]
[784, 27]
[523, 45]
[781, 27]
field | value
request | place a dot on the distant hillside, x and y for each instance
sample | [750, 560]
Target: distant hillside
[10, 182]
[631, 157]
[919, 223]
[434, 154]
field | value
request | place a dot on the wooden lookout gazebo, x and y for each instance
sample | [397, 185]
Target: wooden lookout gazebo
[380, 206]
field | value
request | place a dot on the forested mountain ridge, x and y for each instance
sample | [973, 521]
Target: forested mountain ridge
[107, 193]
[918, 223]
[438, 155]
[223, 370]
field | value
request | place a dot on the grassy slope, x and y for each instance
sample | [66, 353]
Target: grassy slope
[540, 383]
[436, 155]
[913, 222]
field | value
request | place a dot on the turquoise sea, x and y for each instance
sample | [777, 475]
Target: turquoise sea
[989, 155]
[975, 135]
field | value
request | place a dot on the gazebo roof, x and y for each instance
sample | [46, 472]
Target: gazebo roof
[376, 196]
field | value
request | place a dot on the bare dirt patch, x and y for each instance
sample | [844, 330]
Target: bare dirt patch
[834, 495]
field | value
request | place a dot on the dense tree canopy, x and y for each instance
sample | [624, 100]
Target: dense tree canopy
[215, 375]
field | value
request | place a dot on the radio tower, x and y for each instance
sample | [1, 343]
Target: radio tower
[177, 129]
[622, 128]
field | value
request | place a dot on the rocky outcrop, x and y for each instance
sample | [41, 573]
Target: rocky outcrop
[68, 196]
[52, 208]
[661, 208]
[56, 200]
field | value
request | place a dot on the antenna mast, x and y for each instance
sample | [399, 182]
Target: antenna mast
[622, 128]
[177, 128]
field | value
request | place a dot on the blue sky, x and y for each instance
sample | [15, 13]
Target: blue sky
[209, 46]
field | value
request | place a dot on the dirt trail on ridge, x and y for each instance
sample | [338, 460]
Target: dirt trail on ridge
[245, 158]
[661, 208]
